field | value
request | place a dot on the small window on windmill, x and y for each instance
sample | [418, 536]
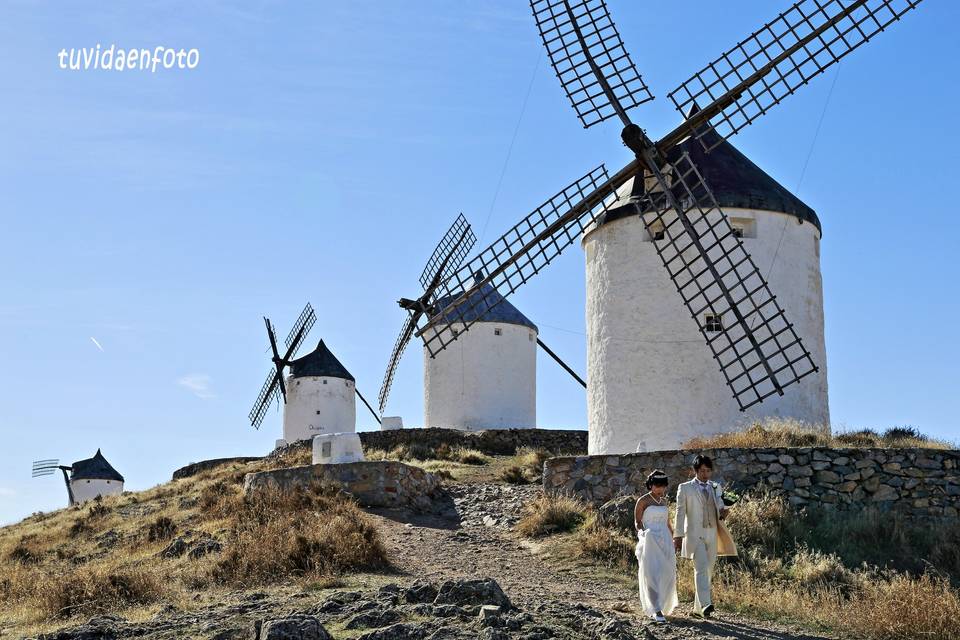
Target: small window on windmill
[325, 450]
[498, 331]
[324, 382]
[318, 411]
[713, 323]
[743, 227]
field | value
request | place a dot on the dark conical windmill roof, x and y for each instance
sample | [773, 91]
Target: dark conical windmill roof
[486, 305]
[319, 362]
[95, 468]
[736, 183]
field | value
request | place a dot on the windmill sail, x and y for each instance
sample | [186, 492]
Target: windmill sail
[301, 327]
[44, 467]
[772, 63]
[599, 85]
[449, 253]
[447, 256]
[754, 344]
[520, 253]
[273, 385]
[268, 393]
[409, 326]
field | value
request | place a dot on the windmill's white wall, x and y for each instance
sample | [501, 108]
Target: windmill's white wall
[483, 380]
[651, 380]
[316, 405]
[337, 448]
[84, 490]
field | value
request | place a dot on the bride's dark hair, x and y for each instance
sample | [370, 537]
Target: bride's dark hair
[657, 479]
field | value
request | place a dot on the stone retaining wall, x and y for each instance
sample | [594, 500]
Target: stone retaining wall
[379, 483]
[194, 468]
[493, 441]
[916, 482]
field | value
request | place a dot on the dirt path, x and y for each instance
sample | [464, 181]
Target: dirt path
[475, 541]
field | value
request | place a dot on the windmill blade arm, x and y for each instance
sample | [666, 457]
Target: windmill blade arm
[753, 342]
[521, 253]
[589, 58]
[301, 327]
[268, 393]
[775, 61]
[449, 253]
[409, 326]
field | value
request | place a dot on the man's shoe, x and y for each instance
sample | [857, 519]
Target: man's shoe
[708, 611]
[660, 618]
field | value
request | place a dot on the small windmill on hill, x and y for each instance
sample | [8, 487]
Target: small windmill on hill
[708, 270]
[85, 479]
[318, 395]
[490, 382]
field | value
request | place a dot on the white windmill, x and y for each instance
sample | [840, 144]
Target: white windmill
[319, 396]
[85, 479]
[648, 387]
[488, 380]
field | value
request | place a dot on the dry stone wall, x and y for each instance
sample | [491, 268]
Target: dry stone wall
[381, 483]
[491, 441]
[916, 482]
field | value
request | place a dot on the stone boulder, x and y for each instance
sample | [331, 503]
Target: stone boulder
[402, 631]
[291, 628]
[618, 513]
[472, 592]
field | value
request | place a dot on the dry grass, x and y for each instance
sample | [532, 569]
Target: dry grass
[416, 452]
[550, 514]
[791, 433]
[311, 533]
[526, 466]
[610, 547]
[105, 556]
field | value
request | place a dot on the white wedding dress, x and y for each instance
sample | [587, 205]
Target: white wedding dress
[657, 561]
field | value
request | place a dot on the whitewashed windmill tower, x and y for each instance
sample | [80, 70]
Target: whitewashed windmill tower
[488, 379]
[87, 479]
[641, 345]
[716, 243]
[319, 396]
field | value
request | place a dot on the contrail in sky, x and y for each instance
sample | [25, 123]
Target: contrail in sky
[94, 340]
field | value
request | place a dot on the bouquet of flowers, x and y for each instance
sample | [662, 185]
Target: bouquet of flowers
[730, 497]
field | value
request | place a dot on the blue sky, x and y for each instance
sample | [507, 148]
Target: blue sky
[318, 152]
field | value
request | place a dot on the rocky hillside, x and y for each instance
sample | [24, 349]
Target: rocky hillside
[195, 559]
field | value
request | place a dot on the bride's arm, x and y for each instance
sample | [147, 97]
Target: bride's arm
[638, 514]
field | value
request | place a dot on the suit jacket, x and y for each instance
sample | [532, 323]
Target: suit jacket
[688, 523]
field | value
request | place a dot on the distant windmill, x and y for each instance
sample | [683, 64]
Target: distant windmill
[86, 480]
[491, 381]
[751, 341]
[318, 395]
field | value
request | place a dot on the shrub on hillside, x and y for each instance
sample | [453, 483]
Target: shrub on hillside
[311, 532]
[161, 529]
[92, 589]
[608, 546]
[549, 514]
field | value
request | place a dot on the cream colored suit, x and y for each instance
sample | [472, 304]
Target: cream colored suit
[701, 544]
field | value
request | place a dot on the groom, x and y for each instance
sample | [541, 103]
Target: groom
[699, 532]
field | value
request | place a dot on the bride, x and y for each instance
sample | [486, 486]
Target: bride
[657, 571]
